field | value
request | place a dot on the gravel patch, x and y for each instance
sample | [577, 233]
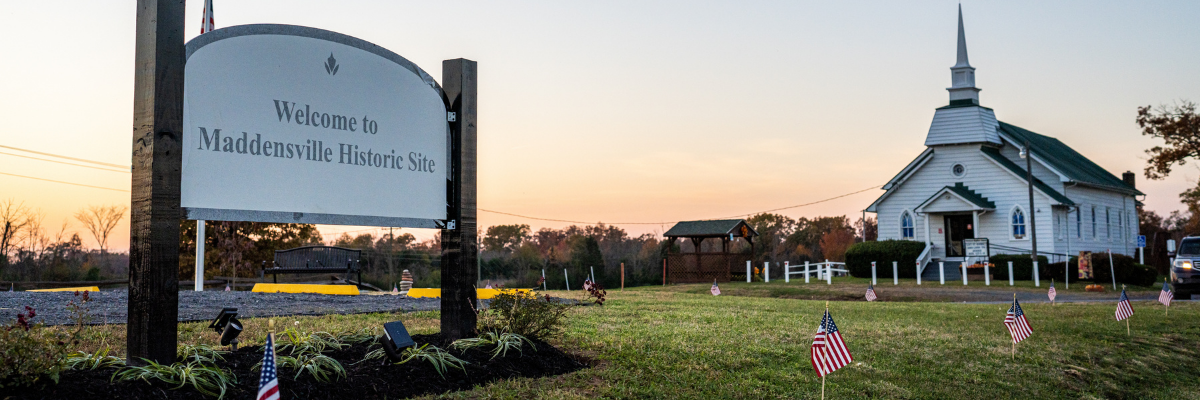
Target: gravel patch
[110, 306]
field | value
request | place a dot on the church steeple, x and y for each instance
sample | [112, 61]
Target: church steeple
[962, 74]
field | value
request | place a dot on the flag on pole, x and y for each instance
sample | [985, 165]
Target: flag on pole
[268, 384]
[716, 291]
[1124, 310]
[1018, 326]
[1165, 296]
[394, 289]
[829, 351]
[871, 292]
[1052, 293]
[207, 24]
[226, 287]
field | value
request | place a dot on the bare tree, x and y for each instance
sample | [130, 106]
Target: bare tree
[14, 217]
[100, 221]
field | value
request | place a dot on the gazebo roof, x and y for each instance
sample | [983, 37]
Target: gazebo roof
[712, 228]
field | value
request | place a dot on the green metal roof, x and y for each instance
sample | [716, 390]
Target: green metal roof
[1037, 183]
[1066, 160]
[710, 228]
[964, 192]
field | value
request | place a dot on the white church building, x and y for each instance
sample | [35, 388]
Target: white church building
[970, 182]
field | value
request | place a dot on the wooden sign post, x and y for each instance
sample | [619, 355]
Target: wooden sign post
[157, 158]
[460, 241]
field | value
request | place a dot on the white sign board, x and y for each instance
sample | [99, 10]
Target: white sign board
[976, 248]
[293, 124]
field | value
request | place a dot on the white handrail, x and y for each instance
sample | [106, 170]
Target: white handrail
[923, 258]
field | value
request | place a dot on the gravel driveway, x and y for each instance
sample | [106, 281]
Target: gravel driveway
[109, 306]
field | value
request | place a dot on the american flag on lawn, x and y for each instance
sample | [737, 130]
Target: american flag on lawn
[1165, 296]
[1017, 325]
[1052, 293]
[871, 292]
[268, 386]
[716, 291]
[207, 24]
[1124, 310]
[829, 351]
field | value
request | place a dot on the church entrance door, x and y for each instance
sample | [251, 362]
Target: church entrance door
[958, 227]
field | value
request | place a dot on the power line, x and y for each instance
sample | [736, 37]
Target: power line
[66, 163]
[481, 209]
[67, 183]
[66, 157]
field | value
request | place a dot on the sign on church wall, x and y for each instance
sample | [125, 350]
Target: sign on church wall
[293, 124]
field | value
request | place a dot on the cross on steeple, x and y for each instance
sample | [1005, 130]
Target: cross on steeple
[962, 74]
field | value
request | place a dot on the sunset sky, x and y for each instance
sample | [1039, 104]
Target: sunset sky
[637, 111]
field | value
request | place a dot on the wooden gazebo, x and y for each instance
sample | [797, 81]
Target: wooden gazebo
[697, 266]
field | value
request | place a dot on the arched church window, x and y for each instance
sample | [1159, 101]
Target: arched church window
[1018, 223]
[906, 226]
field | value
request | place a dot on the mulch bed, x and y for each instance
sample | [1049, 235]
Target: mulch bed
[367, 380]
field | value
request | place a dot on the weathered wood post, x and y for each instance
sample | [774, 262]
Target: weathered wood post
[460, 239]
[151, 332]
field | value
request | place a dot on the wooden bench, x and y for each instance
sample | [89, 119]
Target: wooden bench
[315, 260]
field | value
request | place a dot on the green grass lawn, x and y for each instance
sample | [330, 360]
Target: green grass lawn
[655, 342]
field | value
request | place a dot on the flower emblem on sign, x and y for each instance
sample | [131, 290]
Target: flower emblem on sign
[331, 65]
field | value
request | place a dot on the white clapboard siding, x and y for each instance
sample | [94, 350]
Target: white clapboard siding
[982, 176]
[963, 125]
[1122, 239]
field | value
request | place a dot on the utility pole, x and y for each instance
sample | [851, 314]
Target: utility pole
[1032, 211]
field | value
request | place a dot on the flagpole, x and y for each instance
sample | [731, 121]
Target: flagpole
[1014, 345]
[1052, 302]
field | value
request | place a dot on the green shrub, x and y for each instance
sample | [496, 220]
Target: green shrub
[523, 314]
[1022, 267]
[1128, 271]
[860, 255]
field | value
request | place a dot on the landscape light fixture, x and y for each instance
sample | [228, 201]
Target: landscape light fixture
[396, 338]
[227, 324]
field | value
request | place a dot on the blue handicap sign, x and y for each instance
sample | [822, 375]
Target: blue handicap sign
[1141, 241]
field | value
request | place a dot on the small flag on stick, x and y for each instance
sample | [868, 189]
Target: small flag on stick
[1165, 296]
[871, 292]
[227, 287]
[268, 384]
[829, 351]
[1124, 310]
[394, 289]
[716, 291]
[1052, 293]
[1014, 319]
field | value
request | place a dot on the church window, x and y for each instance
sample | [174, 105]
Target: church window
[1018, 223]
[958, 170]
[1108, 228]
[906, 226]
[1079, 222]
[1094, 236]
